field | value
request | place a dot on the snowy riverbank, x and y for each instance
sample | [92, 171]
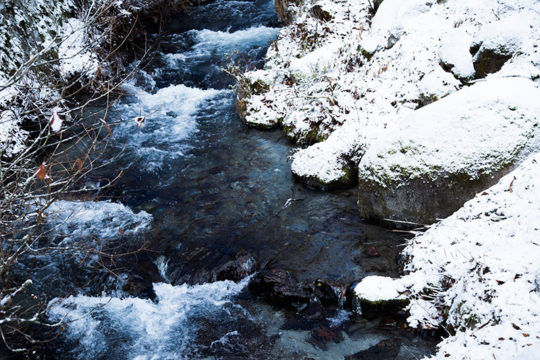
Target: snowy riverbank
[429, 103]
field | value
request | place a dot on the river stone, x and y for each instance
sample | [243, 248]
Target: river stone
[384, 350]
[441, 155]
[203, 265]
[378, 295]
[279, 287]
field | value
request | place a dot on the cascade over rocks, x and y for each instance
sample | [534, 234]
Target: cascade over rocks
[280, 287]
[203, 265]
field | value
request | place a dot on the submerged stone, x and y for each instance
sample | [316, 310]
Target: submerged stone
[386, 349]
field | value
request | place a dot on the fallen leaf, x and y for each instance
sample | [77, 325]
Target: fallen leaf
[41, 173]
[511, 185]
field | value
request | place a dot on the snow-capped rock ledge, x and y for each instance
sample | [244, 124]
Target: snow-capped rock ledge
[341, 78]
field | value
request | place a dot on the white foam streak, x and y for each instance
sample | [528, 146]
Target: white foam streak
[147, 329]
[103, 220]
[170, 119]
[211, 42]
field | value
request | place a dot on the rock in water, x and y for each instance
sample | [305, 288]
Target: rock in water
[385, 350]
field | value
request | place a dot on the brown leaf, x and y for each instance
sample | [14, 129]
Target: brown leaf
[41, 173]
[79, 164]
[511, 185]
[107, 127]
[525, 335]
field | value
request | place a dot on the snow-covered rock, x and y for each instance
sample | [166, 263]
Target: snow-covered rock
[478, 272]
[374, 295]
[349, 69]
[439, 156]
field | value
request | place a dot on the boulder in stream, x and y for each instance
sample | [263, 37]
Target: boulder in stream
[378, 295]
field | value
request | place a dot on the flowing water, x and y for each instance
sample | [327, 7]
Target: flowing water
[200, 188]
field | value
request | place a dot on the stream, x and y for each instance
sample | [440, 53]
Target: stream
[201, 190]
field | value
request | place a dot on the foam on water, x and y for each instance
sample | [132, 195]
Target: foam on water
[170, 119]
[209, 42]
[103, 220]
[133, 328]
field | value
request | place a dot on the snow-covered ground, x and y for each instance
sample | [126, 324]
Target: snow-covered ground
[441, 91]
[479, 271]
[476, 273]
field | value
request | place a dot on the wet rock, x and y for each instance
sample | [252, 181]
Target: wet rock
[137, 286]
[310, 299]
[203, 265]
[322, 335]
[488, 61]
[142, 274]
[314, 310]
[423, 200]
[330, 295]
[232, 340]
[376, 296]
[319, 13]
[283, 10]
[385, 350]
[279, 287]
[242, 266]
[371, 251]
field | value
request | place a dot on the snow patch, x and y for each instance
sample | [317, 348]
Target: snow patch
[379, 288]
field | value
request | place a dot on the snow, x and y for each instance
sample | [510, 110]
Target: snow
[455, 53]
[478, 130]
[56, 121]
[481, 267]
[379, 288]
[73, 52]
[365, 74]
[397, 95]
[12, 137]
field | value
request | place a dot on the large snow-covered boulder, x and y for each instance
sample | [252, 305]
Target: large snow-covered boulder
[439, 156]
